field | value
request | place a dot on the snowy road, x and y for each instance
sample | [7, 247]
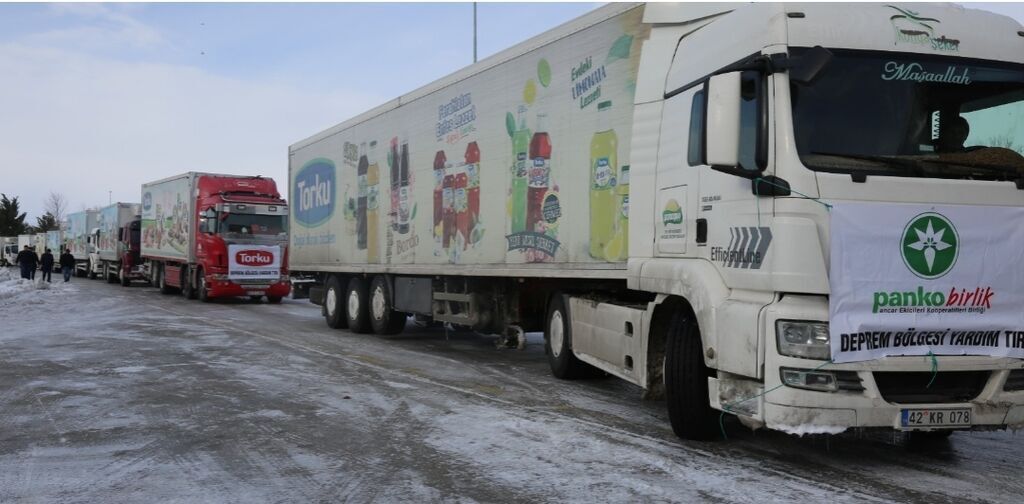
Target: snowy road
[110, 394]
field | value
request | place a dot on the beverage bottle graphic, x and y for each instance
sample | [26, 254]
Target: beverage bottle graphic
[439, 162]
[393, 164]
[539, 174]
[449, 207]
[403, 190]
[461, 206]
[520, 160]
[603, 161]
[473, 185]
[361, 168]
[372, 205]
[618, 248]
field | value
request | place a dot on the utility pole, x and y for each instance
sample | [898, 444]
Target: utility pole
[474, 32]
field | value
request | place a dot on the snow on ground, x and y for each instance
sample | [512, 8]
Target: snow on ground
[18, 292]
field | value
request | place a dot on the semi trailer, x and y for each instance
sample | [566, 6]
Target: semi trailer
[804, 215]
[77, 238]
[109, 247]
[210, 235]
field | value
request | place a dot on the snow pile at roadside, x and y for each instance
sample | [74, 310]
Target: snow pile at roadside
[16, 290]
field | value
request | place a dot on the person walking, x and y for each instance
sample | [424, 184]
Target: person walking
[67, 264]
[46, 263]
[28, 260]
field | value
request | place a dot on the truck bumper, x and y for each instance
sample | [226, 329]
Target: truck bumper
[226, 288]
[871, 394]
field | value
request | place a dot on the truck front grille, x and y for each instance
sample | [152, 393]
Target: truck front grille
[948, 387]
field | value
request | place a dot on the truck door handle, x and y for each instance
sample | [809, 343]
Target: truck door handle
[702, 230]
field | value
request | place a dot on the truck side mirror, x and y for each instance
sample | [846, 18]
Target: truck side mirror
[723, 120]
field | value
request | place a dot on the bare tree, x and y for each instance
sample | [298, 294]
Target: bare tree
[56, 204]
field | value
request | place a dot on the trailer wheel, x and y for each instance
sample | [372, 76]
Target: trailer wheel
[686, 381]
[164, 288]
[202, 292]
[558, 341]
[334, 304]
[187, 291]
[274, 299]
[356, 306]
[383, 317]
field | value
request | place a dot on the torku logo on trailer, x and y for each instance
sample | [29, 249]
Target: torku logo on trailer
[930, 245]
[254, 257]
[314, 192]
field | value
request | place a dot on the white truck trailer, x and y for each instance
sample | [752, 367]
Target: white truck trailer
[77, 238]
[805, 215]
[8, 249]
[105, 259]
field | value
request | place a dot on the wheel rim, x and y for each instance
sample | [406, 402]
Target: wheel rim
[556, 333]
[332, 301]
[378, 303]
[353, 304]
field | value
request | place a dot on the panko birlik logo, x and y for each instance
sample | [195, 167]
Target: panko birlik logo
[930, 245]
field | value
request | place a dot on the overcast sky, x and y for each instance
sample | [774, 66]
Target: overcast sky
[103, 97]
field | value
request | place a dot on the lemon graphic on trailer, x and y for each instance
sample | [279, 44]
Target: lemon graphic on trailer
[530, 92]
[544, 72]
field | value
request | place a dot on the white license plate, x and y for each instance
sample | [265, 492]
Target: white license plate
[255, 292]
[918, 418]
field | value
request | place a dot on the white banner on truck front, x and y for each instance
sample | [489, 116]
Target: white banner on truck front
[920, 279]
[254, 262]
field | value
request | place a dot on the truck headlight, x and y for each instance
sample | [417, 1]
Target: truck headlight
[808, 340]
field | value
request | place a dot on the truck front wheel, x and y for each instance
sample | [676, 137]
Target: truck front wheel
[109, 273]
[123, 277]
[202, 292]
[686, 381]
[383, 317]
[356, 306]
[187, 291]
[558, 341]
[334, 304]
[92, 271]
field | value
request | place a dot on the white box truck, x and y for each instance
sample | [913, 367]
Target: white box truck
[109, 249]
[77, 238]
[9, 250]
[773, 211]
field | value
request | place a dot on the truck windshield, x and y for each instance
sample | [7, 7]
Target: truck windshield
[913, 115]
[264, 226]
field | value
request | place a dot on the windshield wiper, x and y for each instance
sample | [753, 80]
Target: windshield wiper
[909, 166]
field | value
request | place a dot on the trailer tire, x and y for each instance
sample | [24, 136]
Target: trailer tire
[162, 282]
[334, 304]
[187, 291]
[686, 381]
[201, 291]
[558, 341]
[357, 306]
[274, 299]
[383, 317]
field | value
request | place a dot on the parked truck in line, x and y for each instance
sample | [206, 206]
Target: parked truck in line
[131, 266]
[8, 249]
[772, 211]
[210, 235]
[109, 248]
[77, 238]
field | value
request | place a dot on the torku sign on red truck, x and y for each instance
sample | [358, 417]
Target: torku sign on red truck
[208, 235]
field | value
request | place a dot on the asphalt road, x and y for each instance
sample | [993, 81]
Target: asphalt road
[110, 394]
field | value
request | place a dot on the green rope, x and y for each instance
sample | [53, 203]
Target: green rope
[935, 369]
[757, 192]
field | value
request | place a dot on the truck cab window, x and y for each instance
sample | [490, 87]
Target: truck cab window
[695, 144]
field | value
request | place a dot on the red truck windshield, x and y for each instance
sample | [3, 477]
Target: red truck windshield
[252, 224]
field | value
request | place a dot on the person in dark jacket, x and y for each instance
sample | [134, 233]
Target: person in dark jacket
[67, 264]
[28, 260]
[46, 263]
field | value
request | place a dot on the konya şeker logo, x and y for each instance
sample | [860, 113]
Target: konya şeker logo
[930, 247]
[314, 191]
